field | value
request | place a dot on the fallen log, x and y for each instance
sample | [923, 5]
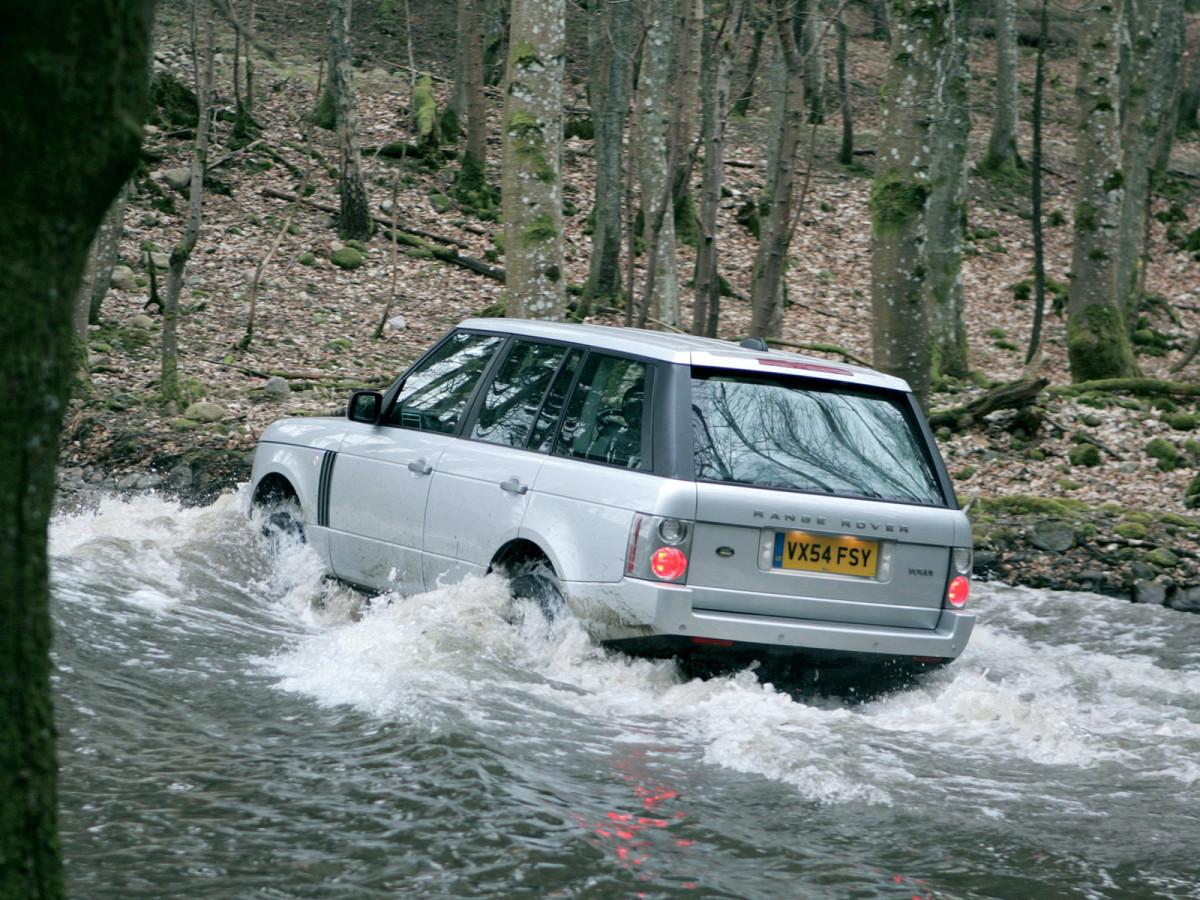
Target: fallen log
[379, 220]
[449, 255]
[1012, 395]
[1152, 386]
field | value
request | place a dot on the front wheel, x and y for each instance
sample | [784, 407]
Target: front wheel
[534, 583]
[283, 523]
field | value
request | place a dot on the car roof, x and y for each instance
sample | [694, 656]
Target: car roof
[687, 349]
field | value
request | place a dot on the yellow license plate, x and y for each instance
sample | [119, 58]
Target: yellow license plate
[836, 555]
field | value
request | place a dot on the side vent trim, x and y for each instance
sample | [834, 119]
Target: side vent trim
[327, 462]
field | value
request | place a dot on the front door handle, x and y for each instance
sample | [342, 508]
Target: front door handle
[420, 467]
[513, 486]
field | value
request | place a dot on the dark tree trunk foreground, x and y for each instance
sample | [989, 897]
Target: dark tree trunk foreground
[74, 73]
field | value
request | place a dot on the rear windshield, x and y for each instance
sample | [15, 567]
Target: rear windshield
[808, 436]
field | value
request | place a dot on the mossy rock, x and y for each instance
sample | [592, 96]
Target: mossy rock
[1162, 557]
[338, 345]
[1182, 422]
[1132, 531]
[307, 259]
[347, 258]
[1165, 452]
[1085, 455]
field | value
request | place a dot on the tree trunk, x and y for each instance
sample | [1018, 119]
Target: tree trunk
[611, 45]
[354, 222]
[471, 39]
[1189, 99]
[1097, 341]
[900, 328]
[69, 69]
[532, 160]
[202, 64]
[655, 166]
[1002, 153]
[1035, 191]
[717, 68]
[946, 212]
[846, 150]
[762, 26]
[811, 24]
[770, 264]
[1155, 55]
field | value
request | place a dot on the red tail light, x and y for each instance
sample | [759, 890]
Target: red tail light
[668, 563]
[956, 594]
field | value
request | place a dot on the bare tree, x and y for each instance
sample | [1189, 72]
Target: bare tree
[532, 160]
[946, 211]
[655, 165]
[719, 48]
[354, 220]
[1002, 153]
[56, 188]
[202, 64]
[921, 35]
[1154, 60]
[610, 39]
[1097, 340]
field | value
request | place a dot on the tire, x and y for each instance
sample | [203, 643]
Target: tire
[535, 583]
[285, 524]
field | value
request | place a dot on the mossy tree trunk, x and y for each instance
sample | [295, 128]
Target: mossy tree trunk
[532, 160]
[471, 38]
[912, 103]
[718, 48]
[946, 212]
[655, 166]
[71, 113]
[1097, 340]
[1154, 59]
[610, 39]
[354, 219]
[1002, 153]
[770, 263]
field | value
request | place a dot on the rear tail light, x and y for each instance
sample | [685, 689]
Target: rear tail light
[659, 547]
[956, 594]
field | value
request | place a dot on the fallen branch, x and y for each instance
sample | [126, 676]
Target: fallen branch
[846, 355]
[379, 220]
[448, 255]
[1151, 386]
[1012, 395]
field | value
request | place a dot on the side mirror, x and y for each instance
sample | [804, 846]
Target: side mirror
[365, 406]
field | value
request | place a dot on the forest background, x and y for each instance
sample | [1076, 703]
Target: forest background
[275, 284]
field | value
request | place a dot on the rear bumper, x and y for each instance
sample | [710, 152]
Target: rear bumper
[665, 613]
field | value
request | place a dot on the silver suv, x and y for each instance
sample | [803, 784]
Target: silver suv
[681, 496]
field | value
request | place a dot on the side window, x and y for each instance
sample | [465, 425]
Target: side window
[435, 393]
[604, 421]
[543, 430]
[515, 394]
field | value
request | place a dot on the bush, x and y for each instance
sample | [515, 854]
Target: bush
[1165, 452]
[1182, 422]
[1084, 455]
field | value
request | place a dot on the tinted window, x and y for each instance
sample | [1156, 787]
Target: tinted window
[603, 420]
[515, 394]
[543, 431]
[435, 393]
[806, 436]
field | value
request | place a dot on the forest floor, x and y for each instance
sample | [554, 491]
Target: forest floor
[315, 323]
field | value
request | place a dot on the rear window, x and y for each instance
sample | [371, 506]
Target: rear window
[808, 436]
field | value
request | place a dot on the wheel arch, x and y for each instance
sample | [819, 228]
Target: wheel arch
[519, 551]
[272, 488]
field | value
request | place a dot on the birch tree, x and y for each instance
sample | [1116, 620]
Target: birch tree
[354, 220]
[610, 41]
[71, 136]
[532, 159]
[1097, 340]
[899, 196]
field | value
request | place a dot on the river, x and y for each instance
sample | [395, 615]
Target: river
[231, 726]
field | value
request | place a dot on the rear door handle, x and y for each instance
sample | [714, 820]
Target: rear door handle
[420, 467]
[513, 485]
